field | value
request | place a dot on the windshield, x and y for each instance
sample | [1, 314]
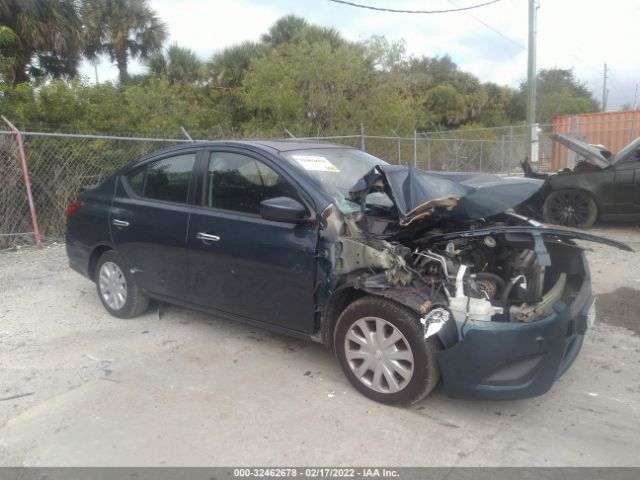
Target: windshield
[336, 170]
[626, 150]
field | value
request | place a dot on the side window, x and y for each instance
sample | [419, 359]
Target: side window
[239, 183]
[167, 179]
[136, 180]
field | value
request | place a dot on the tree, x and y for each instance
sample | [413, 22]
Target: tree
[122, 29]
[7, 39]
[558, 92]
[226, 72]
[292, 29]
[284, 30]
[48, 38]
[228, 68]
[178, 64]
[445, 105]
[494, 113]
[313, 89]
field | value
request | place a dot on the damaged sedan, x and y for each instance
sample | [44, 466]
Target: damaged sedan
[412, 277]
[601, 186]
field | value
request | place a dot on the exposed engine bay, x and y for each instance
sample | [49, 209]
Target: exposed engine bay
[444, 265]
[494, 273]
[491, 278]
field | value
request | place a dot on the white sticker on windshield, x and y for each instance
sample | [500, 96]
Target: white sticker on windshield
[315, 163]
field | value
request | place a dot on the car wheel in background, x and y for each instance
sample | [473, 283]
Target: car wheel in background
[570, 208]
[117, 288]
[383, 352]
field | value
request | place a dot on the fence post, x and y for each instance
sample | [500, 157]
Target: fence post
[502, 154]
[428, 154]
[480, 156]
[511, 140]
[415, 148]
[362, 136]
[27, 182]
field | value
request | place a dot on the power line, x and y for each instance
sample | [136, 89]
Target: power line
[515, 42]
[392, 10]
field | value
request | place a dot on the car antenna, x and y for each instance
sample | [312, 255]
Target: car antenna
[186, 134]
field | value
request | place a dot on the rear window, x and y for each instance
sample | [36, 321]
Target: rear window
[167, 179]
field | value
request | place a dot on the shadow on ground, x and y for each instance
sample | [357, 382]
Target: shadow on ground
[620, 308]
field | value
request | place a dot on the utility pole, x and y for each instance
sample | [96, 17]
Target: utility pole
[635, 99]
[604, 89]
[532, 126]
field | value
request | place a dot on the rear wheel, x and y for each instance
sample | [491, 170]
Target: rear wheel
[117, 288]
[571, 208]
[383, 353]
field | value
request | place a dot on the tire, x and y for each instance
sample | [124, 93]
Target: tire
[570, 208]
[410, 353]
[117, 289]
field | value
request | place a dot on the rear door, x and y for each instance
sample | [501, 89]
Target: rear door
[239, 262]
[149, 219]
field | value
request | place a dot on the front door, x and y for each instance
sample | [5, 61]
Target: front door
[239, 262]
[627, 184]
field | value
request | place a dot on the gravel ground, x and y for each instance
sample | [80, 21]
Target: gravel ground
[79, 387]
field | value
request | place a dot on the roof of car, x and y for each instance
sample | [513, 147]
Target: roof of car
[274, 145]
[293, 144]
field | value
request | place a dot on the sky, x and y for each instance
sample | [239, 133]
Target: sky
[490, 42]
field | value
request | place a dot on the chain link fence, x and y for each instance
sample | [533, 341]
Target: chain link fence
[492, 150]
[15, 225]
[60, 164]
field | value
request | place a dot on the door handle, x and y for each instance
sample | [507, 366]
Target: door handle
[206, 237]
[119, 223]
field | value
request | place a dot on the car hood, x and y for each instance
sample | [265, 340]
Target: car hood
[592, 153]
[419, 195]
[530, 230]
[589, 152]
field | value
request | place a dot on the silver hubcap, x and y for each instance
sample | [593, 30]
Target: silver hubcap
[113, 286]
[379, 355]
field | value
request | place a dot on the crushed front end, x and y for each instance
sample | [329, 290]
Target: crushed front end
[507, 300]
[517, 304]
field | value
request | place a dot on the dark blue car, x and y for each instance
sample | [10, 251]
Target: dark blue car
[410, 276]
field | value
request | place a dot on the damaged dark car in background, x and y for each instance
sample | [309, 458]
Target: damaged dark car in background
[410, 276]
[601, 186]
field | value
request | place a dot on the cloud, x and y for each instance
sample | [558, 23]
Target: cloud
[579, 34]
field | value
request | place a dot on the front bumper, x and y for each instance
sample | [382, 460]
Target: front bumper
[509, 361]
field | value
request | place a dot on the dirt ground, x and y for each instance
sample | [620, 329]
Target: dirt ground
[79, 387]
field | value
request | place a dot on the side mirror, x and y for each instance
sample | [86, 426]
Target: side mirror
[283, 209]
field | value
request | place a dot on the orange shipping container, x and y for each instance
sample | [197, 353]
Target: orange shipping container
[614, 130]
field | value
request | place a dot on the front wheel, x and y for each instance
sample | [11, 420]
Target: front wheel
[383, 353]
[570, 208]
[117, 289]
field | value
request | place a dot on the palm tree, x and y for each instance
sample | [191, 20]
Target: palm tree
[229, 66]
[178, 64]
[284, 30]
[48, 38]
[292, 30]
[122, 29]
